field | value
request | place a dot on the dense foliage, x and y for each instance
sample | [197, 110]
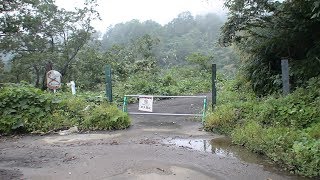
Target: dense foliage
[250, 109]
[136, 70]
[174, 81]
[177, 40]
[146, 58]
[286, 129]
[27, 109]
[38, 37]
[265, 31]
[134, 49]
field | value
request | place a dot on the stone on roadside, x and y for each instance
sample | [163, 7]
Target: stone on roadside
[69, 131]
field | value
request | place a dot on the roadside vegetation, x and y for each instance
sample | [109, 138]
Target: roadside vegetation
[171, 59]
[251, 109]
[146, 58]
[285, 129]
[26, 109]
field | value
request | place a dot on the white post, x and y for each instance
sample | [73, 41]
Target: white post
[73, 87]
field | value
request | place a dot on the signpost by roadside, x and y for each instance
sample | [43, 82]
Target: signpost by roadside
[53, 80]
[146, 103]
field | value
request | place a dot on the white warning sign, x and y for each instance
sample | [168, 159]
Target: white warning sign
[53, 79]
[145, 103]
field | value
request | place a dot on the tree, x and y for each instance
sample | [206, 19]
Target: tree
[201, 60]
[175, 41]
[1, 71]
[43, 37]
[265, 31]
[124, 33]
[180, 25]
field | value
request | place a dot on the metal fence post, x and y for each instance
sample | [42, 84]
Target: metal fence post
[204, 110]
[285, 76]
[108, 83]
[125, 103]
[214, 90]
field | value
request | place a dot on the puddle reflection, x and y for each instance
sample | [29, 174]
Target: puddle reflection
[220, 146]
[223, 147]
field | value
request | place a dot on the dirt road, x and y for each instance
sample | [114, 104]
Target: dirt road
[154, 147]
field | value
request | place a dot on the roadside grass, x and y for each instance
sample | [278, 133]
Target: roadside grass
[286, 129]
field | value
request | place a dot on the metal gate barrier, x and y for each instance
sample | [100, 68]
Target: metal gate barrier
[203, 114]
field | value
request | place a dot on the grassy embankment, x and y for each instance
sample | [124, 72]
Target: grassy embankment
[286, 129]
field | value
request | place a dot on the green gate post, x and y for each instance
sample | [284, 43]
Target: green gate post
[108, 83]
[125, 104]
[204, 110]
[214, 90]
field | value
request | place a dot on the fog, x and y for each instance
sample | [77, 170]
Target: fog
[161, 11]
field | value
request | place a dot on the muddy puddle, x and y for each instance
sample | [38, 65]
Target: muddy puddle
[219, 146]
[224, 148]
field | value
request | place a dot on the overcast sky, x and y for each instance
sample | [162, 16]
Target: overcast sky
[161, 11]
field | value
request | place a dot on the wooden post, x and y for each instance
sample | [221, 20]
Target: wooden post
[285, 76]
[214, 90]
[108, 83]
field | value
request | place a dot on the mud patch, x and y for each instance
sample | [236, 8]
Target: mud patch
[168, 125]
[78, 138]
[6, 174]
[20, 162]
[194, 131]
[157, 130]
[29, 157]
[160, 173]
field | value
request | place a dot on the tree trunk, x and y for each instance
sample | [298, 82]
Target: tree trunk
[48, 67]
[37, 83]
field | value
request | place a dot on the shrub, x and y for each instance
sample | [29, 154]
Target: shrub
[27, 109]
[24, 107]
[286, 129]
[295, 150]
[223, 119]
[106, 117]
[305, 157]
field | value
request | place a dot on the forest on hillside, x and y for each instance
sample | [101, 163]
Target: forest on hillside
[173, 42]
[80, 55]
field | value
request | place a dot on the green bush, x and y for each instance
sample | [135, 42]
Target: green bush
[223, 119]
[24, 107]
[296, 110]
[106, 117]
[286, 129]
[27, 109]
[294, 149]
[234, 103]
[305, 157]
